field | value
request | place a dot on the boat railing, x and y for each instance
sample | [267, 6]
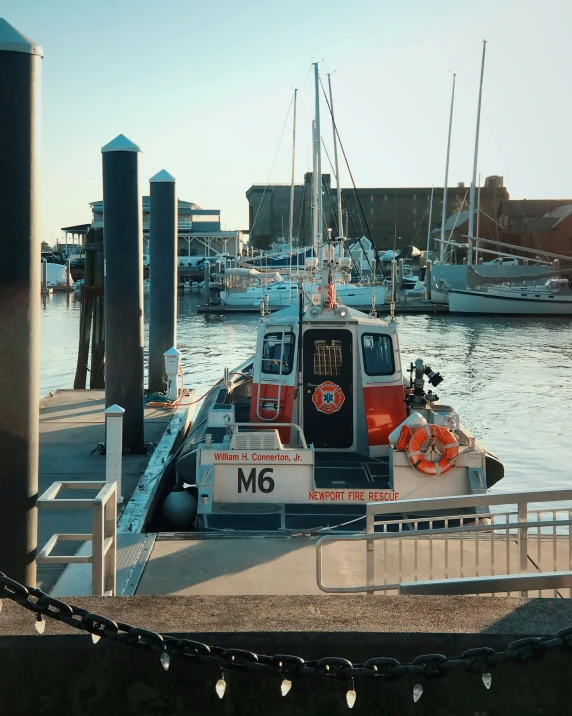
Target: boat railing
[293, 426]
[498, 542]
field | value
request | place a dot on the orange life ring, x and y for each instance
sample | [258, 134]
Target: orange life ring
[432, 450]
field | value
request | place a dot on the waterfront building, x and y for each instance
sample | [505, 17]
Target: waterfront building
[199, 230]
[404, 210]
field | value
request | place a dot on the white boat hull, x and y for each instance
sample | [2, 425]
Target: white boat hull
[476, 302]
[280, 297]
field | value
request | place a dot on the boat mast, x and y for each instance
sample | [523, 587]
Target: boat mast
[338, 185]
[477, 242]
[474, 181]
[318, 187]
[291, 221]
[444, 217]
[430, 219]
[314, 190]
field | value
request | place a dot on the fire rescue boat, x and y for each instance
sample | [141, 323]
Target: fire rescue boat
[321, 421]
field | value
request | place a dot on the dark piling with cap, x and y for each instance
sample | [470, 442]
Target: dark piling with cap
[123, 292]
[163, 275]
[20, 71]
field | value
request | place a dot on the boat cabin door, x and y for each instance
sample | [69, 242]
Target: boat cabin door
[328, 389]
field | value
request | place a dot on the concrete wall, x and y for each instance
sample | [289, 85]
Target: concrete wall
[62, 672]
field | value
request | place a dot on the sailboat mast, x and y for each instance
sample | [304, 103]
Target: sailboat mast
[338, 185]
[291, 218]
[314, 190]
[320, 226]
[444, 217]
[430, 219]
[472, 199]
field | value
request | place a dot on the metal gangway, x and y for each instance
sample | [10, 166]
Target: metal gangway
[508, 543]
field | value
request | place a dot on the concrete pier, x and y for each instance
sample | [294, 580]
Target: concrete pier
[20, 60]
[72, 426]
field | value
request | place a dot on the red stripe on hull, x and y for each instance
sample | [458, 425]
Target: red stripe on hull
[384, 410]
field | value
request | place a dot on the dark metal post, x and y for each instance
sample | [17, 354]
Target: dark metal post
[163, 275]
[123, 289]
[206, 283]
[19, 303]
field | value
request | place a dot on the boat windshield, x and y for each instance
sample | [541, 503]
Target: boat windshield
[278, 348]
[377, 354]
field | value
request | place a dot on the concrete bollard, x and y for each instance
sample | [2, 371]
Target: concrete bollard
[172, 357]
[114, 447]
[123, 292]
[206, 286]
[163, 259]
[20, 71]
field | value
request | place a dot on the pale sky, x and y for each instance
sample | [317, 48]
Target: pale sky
[204, 89]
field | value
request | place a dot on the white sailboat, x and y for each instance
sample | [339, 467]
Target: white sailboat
[521, 296]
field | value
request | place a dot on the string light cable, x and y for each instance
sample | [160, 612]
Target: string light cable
[285, 668]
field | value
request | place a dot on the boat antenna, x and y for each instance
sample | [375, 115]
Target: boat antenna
[291, 220]
[392, 302]
[337, 169]
[318, 239]
[446, 185]
[475, 161]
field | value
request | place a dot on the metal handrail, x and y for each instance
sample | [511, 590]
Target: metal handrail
[103, 558]
[522, 499]
[278, 425]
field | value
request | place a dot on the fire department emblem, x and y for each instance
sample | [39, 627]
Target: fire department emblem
[328, 397]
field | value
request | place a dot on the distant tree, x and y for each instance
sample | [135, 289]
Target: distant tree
[46, 246]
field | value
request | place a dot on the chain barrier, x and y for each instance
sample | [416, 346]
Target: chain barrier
[286, 666]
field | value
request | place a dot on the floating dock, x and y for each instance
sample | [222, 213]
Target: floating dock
[72, 427]
[401, 307]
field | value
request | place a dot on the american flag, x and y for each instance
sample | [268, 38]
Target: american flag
[331, 289]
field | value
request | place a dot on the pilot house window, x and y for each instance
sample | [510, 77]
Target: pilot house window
[278, 348]
[377, 354]
[327, 357]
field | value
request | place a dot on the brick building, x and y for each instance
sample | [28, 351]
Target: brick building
[405, 210]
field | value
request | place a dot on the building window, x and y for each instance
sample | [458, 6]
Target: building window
[385, 197]
[414, 224]
[371, 211]
[414, 197]
[371, 197]
[414, 210]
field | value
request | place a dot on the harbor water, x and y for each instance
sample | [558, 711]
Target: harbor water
[508, 378]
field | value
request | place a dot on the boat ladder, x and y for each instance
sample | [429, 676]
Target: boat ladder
[269, 345]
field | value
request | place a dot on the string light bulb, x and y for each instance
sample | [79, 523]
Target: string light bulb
[221, 686]
[40, 624]
[285, 687]
[417, 692]
[487, 679]
[351, 695]
[165, 659]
